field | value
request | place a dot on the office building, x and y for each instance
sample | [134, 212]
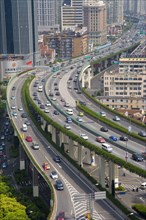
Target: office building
[94, 18]
[18, 32]
[49, 14]
[114, 11]
[72, 15]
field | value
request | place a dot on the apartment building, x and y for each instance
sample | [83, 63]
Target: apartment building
[126, 87]
[68, 44]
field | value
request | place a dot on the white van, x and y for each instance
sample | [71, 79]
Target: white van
[143, 185]
[107, 147]
[24, 128]
[69, 111]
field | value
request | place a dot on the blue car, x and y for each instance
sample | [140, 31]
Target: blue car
[113, 138]
[68, 120]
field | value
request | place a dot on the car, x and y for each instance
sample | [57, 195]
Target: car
[55, 84]
[4, 165]
[66, 104]
[56, 88]
[79, 92]
[46, 110]
[143, 186]
[42, 106]
[68, 120]
[82, 102]
[69, 111]
[20, 108]
[142, 134]
[113, 138]
[137, 157]
[35, 94]
[61, 216]
[28, 139]
[104, 129]
[39, 102]
[123, 138]
[46, 166]
[24, 115]
[36, 98]
[1, 148]
[13, 88]
[54, 175]
[51, 94]
[81, 114]
[53, 99]
[67, 126]
[100, 139]
[35, 146]
[103, 114]
[13, 107]
[13, 97]
[79, 119]
[62, 100]
[48, 104]
[14, 114]
[69, 87]
[27, 122]
[56, 112]
[59, 185]
[57, 93]
[116, 118]
[57, 159]
[84, 136]
[144, 154]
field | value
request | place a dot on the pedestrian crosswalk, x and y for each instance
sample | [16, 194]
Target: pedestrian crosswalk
[131, 187]
[80, 207]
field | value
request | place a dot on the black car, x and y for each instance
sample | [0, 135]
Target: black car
[59, 185]
[123, 138]
[82, 103]
[13, 88]
[56, 112]
[24, 115]
[137, 157]
[42, 106]
[57, 93]
[105, 129]
[51, 94]
[57, 159]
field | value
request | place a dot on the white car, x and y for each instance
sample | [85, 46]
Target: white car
[103, 114]
[54, 175]
[116, 118]
[54, 99]
[66, 104]
[46, 110]
[48, 104]
[13, 107]
[67, 126]
[13, 97]
[14, 114]
[20, 109]
[79, 119]
[69, 111]
[84, 136]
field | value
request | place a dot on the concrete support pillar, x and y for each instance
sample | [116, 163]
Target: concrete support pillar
[113, 176]
[54, 134]
[92, 154]
[80, 155]
[35, 183]
[15, 133]
[102, 171]
[27, 165]
[83, 81]
[105, 64]
[49, 127]
[89, 82]
[71, 148]
[99, 69]
[61, 135]
[21, 157]
[43, 124]
[87, 156]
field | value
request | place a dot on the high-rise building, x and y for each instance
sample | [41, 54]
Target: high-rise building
[72, 15]
[18, 32]
[114, 11]
[94, 18]
[135, 7]
[48, 12]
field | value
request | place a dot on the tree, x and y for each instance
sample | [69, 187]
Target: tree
[11, 209]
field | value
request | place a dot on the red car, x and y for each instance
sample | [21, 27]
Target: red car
[100, 139]
[61, 216]
[29, 139]
[46, 166]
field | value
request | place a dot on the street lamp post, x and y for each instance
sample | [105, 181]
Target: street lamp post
[126, 155]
